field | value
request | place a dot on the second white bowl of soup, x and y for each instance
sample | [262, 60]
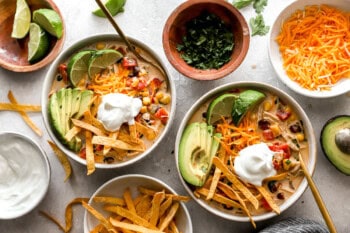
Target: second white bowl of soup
[104, 107]
[237, 151]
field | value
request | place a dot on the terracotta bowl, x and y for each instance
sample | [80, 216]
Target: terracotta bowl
[14, 52]
[175, 29]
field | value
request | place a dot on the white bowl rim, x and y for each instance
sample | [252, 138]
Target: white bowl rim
[342, 87]
[139, 176]
[78, 45]
[45, 159]
[310, 135]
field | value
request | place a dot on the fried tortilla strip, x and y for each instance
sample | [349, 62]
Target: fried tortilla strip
[165, 205]
[149, 132]
[133, 227]
[280, 176]
[143, 206]
[157, 200]
[24, 115]
[63, 160]
[99, 229]
[131, 216]
[227, 190]
[234, 180]
[219, 198]
[244, 208]
[113, 135]
[175, 197]
[72, 133]
[217, 174]
[109, 200]
[268, 199]
[68, 214]
[100, 217]
[87, 126]
[128, 200]
[19, 107]
[173, 227]
[90, 157]
[90, 119]
[169, 217]
[115, 143]
[133, 133]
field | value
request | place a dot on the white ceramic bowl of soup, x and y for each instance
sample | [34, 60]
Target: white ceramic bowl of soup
[110, 41]
[24, 175]
[197, 113]
[340, 87]
[117, 186]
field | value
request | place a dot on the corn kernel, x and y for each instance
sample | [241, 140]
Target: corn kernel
[267, 105]
[300, 137]
[292, 117]
[159, 95]
[135, 82]
[143, 109]
[146, 101]
[287, 164]
[165, 99]
[275, 130]
[100, 46]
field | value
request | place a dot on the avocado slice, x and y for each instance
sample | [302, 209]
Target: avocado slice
[196, 150]
[338, 156]
[63, 105]
[246, 101]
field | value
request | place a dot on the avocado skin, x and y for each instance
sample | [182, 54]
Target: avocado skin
[327, 139]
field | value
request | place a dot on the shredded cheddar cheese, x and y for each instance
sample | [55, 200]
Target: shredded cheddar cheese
[315, 46]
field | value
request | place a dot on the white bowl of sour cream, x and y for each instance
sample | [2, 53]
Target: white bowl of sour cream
[24, 175]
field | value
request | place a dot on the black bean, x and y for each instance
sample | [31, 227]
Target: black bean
[264, 124]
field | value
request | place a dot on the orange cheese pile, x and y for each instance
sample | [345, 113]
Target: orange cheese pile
[315, 46]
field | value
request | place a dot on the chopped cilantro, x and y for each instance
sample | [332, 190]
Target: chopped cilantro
[259, 5]
[208, 43]
[242, 3]
[258, 26]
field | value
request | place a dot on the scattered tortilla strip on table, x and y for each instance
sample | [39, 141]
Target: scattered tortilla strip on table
[62, 157]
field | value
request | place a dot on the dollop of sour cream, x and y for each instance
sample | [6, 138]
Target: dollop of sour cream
[23, 176]
[116, 109]
[254, 164]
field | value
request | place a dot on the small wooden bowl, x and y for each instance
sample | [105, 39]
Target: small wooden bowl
[14, 52]
[175, 29]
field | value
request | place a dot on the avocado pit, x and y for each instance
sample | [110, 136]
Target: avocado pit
[342, 140]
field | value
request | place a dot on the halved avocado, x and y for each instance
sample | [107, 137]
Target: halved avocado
[336, 154]
[197, 148]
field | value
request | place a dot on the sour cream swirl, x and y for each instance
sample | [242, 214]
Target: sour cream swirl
[116, 109]
[254, 164]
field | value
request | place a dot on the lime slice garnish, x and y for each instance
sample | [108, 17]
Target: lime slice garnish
[102, 59]
[78, 66]
[22, 20]
[220, 107]
[113, 6]
[49, 20]
[38, 44]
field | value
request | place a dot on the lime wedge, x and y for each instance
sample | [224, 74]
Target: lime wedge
[22, 20]
[49, 20]
[220, 107]
[38, 44]
[102, 59]
[113, 6]
[78, 66]
[246, 101]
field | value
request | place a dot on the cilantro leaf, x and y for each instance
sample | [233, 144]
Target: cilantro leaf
[242, 3]
[259, 5]
[258, 26]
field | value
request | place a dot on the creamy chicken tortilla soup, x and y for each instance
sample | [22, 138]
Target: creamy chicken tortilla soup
[252, 165]
[106, 105]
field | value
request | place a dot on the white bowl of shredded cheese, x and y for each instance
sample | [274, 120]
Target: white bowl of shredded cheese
[308, 57]
[24, 175]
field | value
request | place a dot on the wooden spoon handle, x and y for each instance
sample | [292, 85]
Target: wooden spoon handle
[318, 198]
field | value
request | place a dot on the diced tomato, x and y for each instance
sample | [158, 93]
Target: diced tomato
[82, 153]
[265, 205]
[128, 62]
[283, 115]
[268, 134]
[62, 69]
[162, 114]
[282, 148]
[276, 164]
[98, 147]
